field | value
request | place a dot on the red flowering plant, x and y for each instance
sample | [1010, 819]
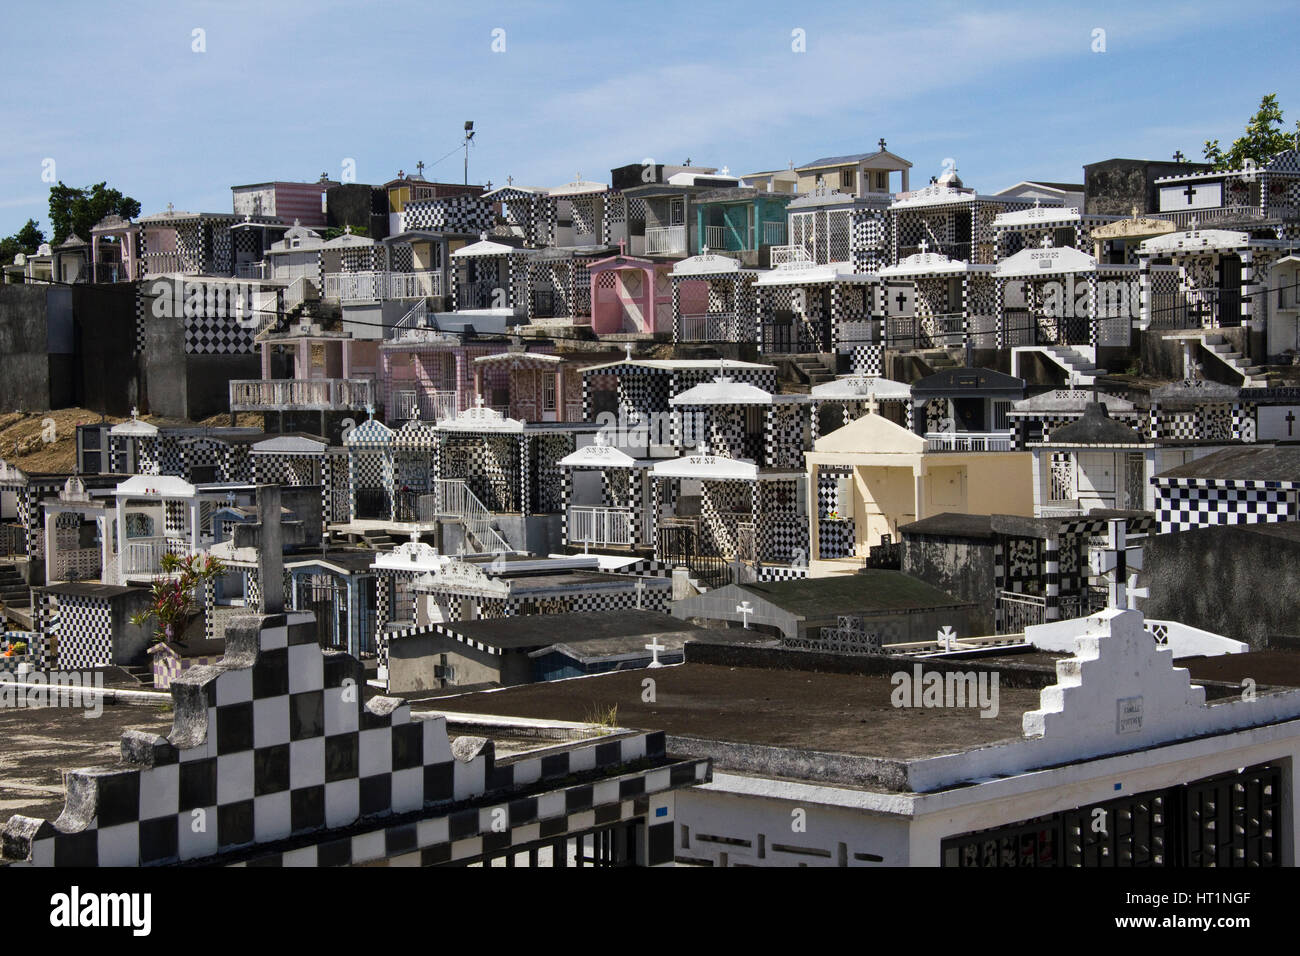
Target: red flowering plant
[172, 598]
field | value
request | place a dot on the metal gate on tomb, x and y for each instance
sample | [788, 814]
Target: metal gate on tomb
[1231, 820]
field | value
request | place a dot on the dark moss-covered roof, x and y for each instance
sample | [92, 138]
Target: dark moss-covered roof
[871, 590]
[1095, 427]
[963, 381]
[1246, 463]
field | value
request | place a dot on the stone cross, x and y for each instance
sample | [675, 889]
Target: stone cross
[510, 180]
[946, 634]
[628, 347]
[135, 413]
[1047, 242]
[640, 590]
[744, 609]
[419, 168]
[925, 246]
[882, 144]
[266, 536]
[654, 647]
[1115, 563]
[873, 406]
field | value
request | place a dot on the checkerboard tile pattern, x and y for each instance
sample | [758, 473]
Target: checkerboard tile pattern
[84, 630]
[272, 751]
[1185, 503]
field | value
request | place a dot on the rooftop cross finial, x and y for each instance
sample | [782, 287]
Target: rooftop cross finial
[1178, 156]
[370, 409]
[688, 160]
[1046, 242]
[482, 237]
[170, 209]
[627, 346]
[1135, 212]
[135, 413]
[419, 168]
[873, 405]
[510, 180]
[925, 246]
[882, 144]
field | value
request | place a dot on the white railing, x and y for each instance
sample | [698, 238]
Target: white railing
[774, 234]
[1058, 511]
[710, 327]
[144, 555]
[253, 270]
[1021, 610]
[295, 294]
[453, 498]
[1184, 217]
[373, 286]
[160, 263]
[425, 405]
[601, 527]
[665, 240]
[791, 257]
[312, 394]
[722, 239]
[968, 441]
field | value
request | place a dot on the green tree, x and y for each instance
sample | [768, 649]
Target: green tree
[79, 210]
[26, 240]
[1264, 138]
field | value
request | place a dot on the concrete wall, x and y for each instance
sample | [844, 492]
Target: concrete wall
[25, 384]
[411, 661]
[763, 829]
[108, 368]
[207, 381]
[304, 501]
[129, 640]
[1214, 579]
[164, 366]
[960, 566]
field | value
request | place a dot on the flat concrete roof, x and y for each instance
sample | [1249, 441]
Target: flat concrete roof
[799, 710]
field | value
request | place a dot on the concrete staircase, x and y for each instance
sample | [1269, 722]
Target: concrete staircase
[15, 595]
[378, 541]
[142, 673]
[1221, 349]
[935, 360]
[1078, 367]
[813, 368]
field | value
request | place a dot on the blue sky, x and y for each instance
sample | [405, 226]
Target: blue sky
[289, 89]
